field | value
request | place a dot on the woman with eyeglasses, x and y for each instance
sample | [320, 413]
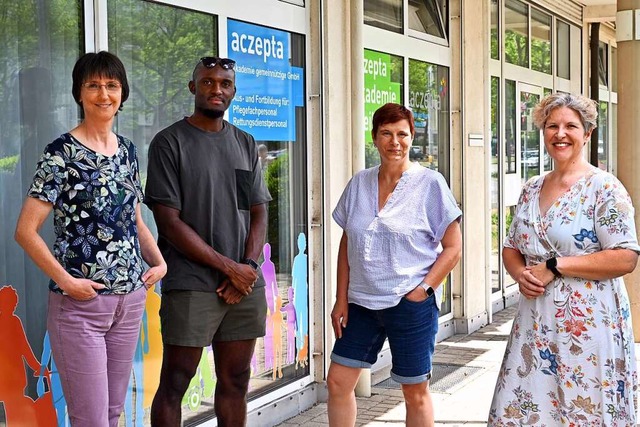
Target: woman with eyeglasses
[89, 177]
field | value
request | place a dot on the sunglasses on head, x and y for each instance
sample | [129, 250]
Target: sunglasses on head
[212, 61]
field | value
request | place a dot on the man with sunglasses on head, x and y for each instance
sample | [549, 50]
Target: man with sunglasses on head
[209, 200]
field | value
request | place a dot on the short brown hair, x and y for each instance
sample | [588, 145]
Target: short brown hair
[392, 113]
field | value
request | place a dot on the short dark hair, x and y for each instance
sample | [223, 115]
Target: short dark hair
[392, 113]
[101, 64]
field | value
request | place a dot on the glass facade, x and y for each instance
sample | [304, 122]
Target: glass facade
[527, 40]
[422, 85]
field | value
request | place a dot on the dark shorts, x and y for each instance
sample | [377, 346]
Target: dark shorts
[411, 328]
[196, 319]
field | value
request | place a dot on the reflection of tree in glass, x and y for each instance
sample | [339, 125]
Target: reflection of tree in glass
[277, 180]
[516, 48]
[159, 46]
[35, 34]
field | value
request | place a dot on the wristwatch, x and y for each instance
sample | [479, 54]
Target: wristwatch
[251, 262]
[552, 264]
[427, 289]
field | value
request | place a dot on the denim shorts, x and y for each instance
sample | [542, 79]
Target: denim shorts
[411, 328]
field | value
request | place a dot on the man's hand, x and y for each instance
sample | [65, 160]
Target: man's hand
[243, 277]
[228, 293]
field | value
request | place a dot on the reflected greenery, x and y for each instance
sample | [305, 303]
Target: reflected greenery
[277, 180]
[159, 45]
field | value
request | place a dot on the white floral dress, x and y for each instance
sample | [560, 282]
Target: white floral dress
[570, 357]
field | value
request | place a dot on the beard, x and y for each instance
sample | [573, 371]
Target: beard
[212, 114]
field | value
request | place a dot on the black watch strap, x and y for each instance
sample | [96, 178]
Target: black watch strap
[552, 264]
[251, 262]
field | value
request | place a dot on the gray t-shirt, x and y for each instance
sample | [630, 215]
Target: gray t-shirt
[213, 179]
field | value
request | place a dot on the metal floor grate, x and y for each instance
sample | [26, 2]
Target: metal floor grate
[444, 377]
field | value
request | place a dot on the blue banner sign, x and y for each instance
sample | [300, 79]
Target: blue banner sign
[269, 88]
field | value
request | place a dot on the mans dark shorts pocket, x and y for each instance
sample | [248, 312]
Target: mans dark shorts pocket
[243, 188]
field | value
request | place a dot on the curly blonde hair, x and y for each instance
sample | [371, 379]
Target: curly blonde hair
[585, 107]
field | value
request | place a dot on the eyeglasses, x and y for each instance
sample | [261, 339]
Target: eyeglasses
[212, 61]
[112, 87]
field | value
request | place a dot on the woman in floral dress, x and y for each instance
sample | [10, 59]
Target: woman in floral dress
[89, 177]
[570, 357]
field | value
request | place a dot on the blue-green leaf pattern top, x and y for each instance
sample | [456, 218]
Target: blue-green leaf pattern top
[94, 201]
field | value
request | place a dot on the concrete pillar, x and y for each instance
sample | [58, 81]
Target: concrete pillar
[629, 129]
[470, 146]
[337, 119]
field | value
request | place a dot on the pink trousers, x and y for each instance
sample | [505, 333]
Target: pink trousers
[93, 343]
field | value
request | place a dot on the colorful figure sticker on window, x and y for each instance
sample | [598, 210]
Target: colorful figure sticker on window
[20, 409]
[300, 301]
[290, 312]
[59, 402]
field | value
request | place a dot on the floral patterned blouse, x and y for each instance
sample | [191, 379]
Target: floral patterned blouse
[94, 201]
[570, 358]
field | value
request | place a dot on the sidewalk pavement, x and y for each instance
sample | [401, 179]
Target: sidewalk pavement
[464, 376]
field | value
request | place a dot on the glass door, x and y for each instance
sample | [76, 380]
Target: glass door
[518, 156]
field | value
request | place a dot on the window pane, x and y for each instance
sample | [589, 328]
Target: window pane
[603, 64]
[495, 184]
[510, 115]
[529, 137]
[562, 55]
[614, 69]
[428, 16]
[495, 54]
[603, 136]
[279, 127]
[383, 75]
[429, 101]
[40, 41]
[385, 14]
[427, 94]
[547, 161]
[516, 37]
[540, 41]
